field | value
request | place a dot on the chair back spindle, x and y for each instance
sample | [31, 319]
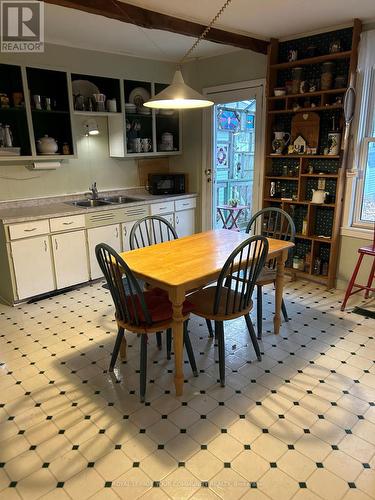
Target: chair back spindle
[125, 290]
[239, 275]
[151, 230]
[273, 222]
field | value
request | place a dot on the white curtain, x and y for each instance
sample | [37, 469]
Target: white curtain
[366, 59]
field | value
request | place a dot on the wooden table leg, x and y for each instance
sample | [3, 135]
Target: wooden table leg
[177, 298]
[279, 286]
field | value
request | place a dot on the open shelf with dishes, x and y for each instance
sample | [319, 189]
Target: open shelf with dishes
[95, 95]
[142, 131]
[34, 114]
[307, 79]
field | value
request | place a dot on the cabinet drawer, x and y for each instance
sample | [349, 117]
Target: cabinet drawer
[135, 213]
[162, 208]
[26, 229]
[65, 223]
[185, 204]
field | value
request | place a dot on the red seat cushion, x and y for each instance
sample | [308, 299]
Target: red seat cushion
[158, 305]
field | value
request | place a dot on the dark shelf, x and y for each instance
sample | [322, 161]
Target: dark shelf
[313, 60]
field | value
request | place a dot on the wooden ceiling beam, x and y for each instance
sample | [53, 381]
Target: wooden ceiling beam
[127, 13]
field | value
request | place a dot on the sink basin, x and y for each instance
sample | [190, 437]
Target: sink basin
[89, 203]
[120, 199]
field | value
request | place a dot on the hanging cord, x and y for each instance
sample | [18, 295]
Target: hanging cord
[196, 43]
[205, 32]
[140, 29]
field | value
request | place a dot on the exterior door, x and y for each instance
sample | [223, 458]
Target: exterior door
[232, 161]
[70, 257]
[32, 260]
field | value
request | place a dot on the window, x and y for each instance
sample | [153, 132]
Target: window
[364, 206]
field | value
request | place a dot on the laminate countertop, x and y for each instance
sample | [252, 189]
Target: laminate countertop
[59, 206]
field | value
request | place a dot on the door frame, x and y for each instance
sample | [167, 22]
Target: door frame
[207, 143]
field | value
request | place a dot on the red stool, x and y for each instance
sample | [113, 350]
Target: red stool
[369, 250]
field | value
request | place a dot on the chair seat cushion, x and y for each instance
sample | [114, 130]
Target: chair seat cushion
[369, 250]
[158, 305]
[203, 303]
[266, 276]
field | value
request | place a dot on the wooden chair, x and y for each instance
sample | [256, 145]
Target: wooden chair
[230, 298]
[370, 251]
[149, 231]
[273, 223]
[138, 311]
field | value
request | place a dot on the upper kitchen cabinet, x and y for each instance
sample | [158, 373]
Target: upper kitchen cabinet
[14, 133]
[96, 95]
[138, 119]
[50, 112]
[167, 127]
[142, 132]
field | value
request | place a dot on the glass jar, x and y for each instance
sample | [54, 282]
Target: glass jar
[296, 79]
[326, 79]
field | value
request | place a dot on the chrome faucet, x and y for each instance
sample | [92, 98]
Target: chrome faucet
[94, 191]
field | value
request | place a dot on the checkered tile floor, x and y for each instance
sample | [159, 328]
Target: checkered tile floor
[299, 424]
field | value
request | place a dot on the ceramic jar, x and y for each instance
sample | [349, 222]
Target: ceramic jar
[46, 145]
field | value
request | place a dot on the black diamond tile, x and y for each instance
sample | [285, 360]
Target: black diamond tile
[135, 464]
[302, 485]
[319, 465]
[352, 485]
[290, 446]
[227, 465]
[247, 447]
[203, 447]
[204, 484]
[90, 465]
[60, 484]
[107, 484]
[12, 484]
[181, 464]
[273, 465]
[156, 484]
[253, 485]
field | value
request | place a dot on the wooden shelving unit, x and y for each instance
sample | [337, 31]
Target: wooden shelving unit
[294, 188]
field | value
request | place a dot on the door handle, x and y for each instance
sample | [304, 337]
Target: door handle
[177, 219]
[116, 232]
[56, 245]
[125, 231]
[208, 173]
[45, 246]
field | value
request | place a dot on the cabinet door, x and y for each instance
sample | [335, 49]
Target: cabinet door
[126, 228]
[32, 261]
[185, 222]
[165, 233]
[70, 257]
[105, 234]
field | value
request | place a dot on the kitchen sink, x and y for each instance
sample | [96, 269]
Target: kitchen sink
[120, 199]
[89, 203]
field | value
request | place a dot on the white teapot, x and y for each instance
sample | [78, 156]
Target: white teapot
[319, 196]
[47, 145]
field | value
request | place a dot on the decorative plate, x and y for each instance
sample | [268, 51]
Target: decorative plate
[139, 96]
[84, 88]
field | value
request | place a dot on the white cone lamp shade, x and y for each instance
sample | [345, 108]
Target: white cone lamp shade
[178, 95]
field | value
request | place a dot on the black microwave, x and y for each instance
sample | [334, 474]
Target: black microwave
[166, 183]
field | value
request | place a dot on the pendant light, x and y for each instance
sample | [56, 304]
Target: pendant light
[178, 95]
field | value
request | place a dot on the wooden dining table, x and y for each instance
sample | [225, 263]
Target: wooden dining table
[188, 263]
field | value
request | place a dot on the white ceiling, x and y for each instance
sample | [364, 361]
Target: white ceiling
[79, 29]
[260, 18]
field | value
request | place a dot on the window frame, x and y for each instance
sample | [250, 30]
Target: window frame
[365, 136]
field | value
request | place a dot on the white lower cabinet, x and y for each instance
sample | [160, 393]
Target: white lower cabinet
[104, 234]
[70, 257]
[126, 227]
[33, 269]
[185, 222]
